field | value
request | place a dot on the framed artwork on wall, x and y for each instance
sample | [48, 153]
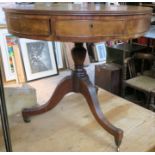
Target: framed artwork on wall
[38, 58]
[6, 45]
[101, 51]
[58, 51]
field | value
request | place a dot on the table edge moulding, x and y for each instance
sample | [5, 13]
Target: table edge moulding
[77, 23]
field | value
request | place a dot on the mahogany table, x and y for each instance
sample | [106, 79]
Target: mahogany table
[77, 23]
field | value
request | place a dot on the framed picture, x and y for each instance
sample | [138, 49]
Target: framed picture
[38, 58]
[101, 52]
[58, 51]
[6, 44]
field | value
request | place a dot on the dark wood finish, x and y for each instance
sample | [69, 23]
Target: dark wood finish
[131, 67]
[144, 57]
[77, 23]
[118, 53]
[108, 77]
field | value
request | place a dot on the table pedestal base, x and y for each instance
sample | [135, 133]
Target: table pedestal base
[78, 82]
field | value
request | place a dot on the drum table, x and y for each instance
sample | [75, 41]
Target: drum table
[77, 23]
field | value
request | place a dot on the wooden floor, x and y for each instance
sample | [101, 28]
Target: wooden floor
[71, 127]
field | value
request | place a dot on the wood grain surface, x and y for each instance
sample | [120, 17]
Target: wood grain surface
[78, 23]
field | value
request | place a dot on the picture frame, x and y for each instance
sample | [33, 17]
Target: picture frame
[101, 51]
[58, 52]
[6, 45]
[38, 58]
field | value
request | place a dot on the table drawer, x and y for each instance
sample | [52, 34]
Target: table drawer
[29, 25]
[75, 28]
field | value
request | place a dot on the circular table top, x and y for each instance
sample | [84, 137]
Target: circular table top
[67, 8]
[77, 22]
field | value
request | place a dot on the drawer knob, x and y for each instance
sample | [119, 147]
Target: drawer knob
[91, 25]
